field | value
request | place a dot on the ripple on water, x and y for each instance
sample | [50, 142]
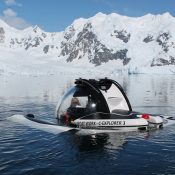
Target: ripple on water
[25, 150]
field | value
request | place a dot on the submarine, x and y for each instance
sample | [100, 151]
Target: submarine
[101, 104]
[95, 106]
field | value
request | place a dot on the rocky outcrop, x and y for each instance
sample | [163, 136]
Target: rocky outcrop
[87, 43]
[148, 39]
[122, 35]
[2, 35]
[162, 40]
[46, 49]
[163, 62]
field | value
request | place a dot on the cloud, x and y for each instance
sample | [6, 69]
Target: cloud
[11, 18]
[11, 3]
[9, 12]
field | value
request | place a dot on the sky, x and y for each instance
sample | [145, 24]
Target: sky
[56, 15]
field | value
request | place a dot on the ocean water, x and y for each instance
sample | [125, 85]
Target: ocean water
[25, 150]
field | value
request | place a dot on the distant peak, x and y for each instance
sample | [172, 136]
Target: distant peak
[167, 14]
[100, 14]
[36, 29]
[149, 15]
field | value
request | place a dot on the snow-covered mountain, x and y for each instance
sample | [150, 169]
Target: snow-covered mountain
[116, 41]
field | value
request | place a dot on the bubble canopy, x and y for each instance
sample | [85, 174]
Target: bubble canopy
[77, 100]
[92, 96]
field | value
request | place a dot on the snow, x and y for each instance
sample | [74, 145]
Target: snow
[15, 62]
[15, 59]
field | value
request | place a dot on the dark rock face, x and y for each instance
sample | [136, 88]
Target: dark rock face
[68, 35]
[162, 40]
[106, 55]
[148, 39]
[16, 41]
[2, 35]
[122, 35]
[44, 35]
[87, 43]
[46, 49]
[163, 62]
[12, 42]
[67, 46]
[172, 60]
[27, 42]
[32, 42]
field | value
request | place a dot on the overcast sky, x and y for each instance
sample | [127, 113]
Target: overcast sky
[56, 15]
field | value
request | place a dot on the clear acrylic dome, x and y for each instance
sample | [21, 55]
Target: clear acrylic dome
[76, 103]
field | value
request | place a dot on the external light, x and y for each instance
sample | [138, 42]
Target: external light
[145, 116]
[93, 105]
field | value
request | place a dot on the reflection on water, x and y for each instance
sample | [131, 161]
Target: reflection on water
[153, 94]
[26, 150]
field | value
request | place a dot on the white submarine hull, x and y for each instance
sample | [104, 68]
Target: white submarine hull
[56, 129]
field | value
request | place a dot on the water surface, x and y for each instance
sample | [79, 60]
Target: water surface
[25, 150]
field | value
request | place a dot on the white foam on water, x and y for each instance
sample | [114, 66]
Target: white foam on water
[168, 121]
